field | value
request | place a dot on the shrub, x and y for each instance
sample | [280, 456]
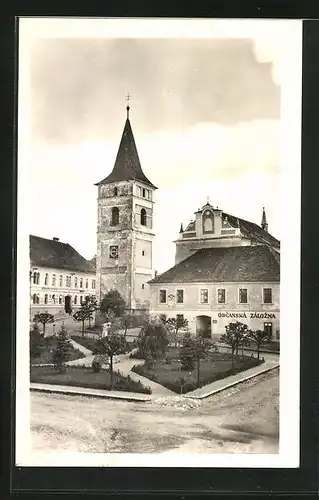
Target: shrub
[96, 365]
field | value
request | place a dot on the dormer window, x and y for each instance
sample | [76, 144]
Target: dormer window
[208, 222]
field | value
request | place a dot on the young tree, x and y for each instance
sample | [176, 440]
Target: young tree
[61, 350]
[81, 316]
[36, 340]
[193, 350]
[89, 306]
[234, 336]
[259, 337]
[110, 346]
[175, 325]
[113, 302]
[44, 319]
[153, 341]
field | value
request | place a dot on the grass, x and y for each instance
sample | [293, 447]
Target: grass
[92, 344]
[45, 356]
[168, 372]
[85, 377]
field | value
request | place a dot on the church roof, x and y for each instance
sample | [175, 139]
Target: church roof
[127, 164]
[54, 253]
[232, 264]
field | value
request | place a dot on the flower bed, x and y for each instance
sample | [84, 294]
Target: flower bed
[168, 373]
[85, 377]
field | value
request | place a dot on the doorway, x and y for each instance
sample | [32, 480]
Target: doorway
[204, 326]
[68, 304]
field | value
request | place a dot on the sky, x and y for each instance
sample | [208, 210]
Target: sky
[205, 113]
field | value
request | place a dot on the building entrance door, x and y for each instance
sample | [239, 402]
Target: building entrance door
[204, 326]
[67, 304]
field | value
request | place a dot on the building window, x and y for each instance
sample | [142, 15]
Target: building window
[68, 281]
[143, 253]
[243, 296]
[46, 278]
[143, 286]
[221, 295]
[36, 278]
[81, 282]
[35, 298]
[204, 296]
[268, 328]
[46, 298]
[115, 216]
[75, 299]
[75, 282]
[93, 284]
[180, 317]
[81, 300]
[53, 279]
[53, 299]
[86, 283]
[114, 252]
[267, 295]
[144, 192]
[143, 217]
[61, 280]
[179, 296]
[60, 299]
[162, 296]
[115, 191]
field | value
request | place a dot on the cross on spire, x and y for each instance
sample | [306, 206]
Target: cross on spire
[127, 98]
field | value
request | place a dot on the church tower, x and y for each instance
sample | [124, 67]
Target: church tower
[125, 227]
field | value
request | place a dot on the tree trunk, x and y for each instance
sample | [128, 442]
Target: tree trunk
[242, 349]
[111, 370]
[258, 349]
[198, 372]
[232, 358]
[43, 329]
[82, 329]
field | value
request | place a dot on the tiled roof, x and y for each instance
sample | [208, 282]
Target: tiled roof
[233, 264]
[127, 164]
[253, 231]
[52, 253]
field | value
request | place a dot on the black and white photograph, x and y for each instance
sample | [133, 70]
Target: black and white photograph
[158, 242]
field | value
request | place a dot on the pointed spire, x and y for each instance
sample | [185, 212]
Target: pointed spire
[181, 229]
[127, 164]
[264, 224]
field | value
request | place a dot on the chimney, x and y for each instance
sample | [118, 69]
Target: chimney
[55, 239]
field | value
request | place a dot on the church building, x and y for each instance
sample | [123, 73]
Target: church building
[125, 227]
[226, 269]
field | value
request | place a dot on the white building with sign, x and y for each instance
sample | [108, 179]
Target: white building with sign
[226, 269]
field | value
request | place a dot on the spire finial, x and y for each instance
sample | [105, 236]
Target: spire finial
[264, 224]
[207, 200]
[127, 98]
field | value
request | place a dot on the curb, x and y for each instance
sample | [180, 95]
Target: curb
[232, 384]
[90, 395]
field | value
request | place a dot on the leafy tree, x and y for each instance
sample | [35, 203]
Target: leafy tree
[61, 350]
[44, 319]
[175, 325]
[234, 336]
[113, 302]
[110, 346]
[259, 337]
[36, 340]
[153, 341]
[193, 350]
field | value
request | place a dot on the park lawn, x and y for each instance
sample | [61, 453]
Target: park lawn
[92, 344]
[168, 372]
[77, 376]
[45, 356]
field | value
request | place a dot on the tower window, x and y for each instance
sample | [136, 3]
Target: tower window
[53, 279]
[115, 191]
[114, 252]
[144, 192]
[115, 216]
[46, 278]
[143, 217]
[143, 253]
[143, 286]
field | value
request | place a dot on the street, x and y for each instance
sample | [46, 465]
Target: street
[242, 419]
